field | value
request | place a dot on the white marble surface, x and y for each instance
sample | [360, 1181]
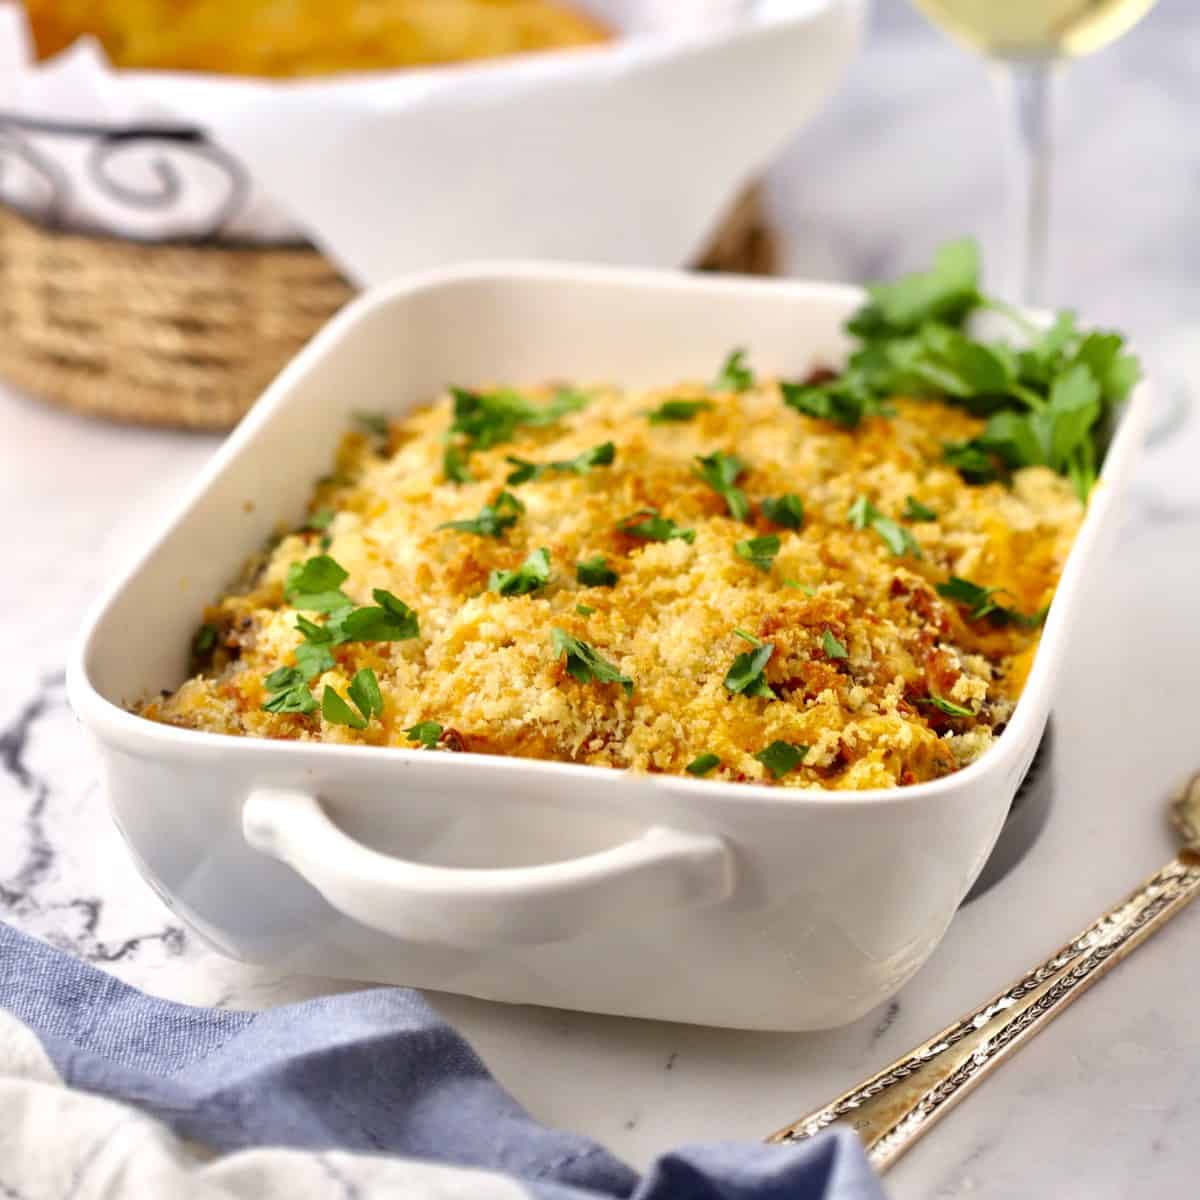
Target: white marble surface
[1107, 1104]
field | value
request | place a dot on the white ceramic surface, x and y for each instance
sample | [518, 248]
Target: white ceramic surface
[506, 879]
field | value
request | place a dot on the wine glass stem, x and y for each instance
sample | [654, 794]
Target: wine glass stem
[1027, 88]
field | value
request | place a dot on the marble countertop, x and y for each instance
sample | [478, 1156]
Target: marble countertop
[1107, 1104]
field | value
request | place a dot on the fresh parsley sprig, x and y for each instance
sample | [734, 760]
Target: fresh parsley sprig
[760, 551]
[525, 471]
[585, 663]
[365, 694]
[979, 604]
[746, 675]
[864, 515]
[492, 519]
[425, 734]
[780, 758]
[721, 472]
[702, 764]
[786, 511]
[595, 572]
[287, 689]
[1049, 402]
[677, 410]
[648, 525]
[734, 375]
[532, 575]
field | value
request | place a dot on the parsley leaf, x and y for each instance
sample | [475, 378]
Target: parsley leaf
[288, 692]
[702, 764]
[760, 551]
[581, 464]
[979, 604]
[846, 400]
[721, 472]
[584, 610]
[584, 661]
[787, 511]
[455, 465]
[832, 647]
[318, 521]
[746, 677]
[364, 692]
[532, 574]
[388, 620]
[316, 584]
[677, 410]
[204, 640]
[734, 375]
[947, 292]
[493, 519]
[489, 418]
[747, 636]
[314, 658]
[949, 707]
[864, 515]
[806, 588]
[781, 757]
[595, 572]
[648, 526]
[374, 423]
[426, 733]
[914, 510]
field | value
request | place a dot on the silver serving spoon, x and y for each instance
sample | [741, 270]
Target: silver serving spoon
[893, 1108]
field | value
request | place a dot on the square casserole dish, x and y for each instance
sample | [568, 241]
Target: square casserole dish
[510, 879]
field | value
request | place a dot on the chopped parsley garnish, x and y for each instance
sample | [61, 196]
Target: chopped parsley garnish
[318, 521]
[647, 525]
[786, 511]
[949, 707]
[845, 401]
[721, 472]
[316, 584]
[288, 692]
[374, 423]
[581, 464]
[532, 574]
[204, 640]
[490, 418]
[493, 519]
[426, 733]
[389, 619]
[677, 410]
[454, 465]
[806, 588]
[864, 515]
[313, 655]
[595, 572]
[584, 610]
[978, 602]
[734, 375]
[781, 757]
[747, 636]
[760, 551]
[584, 662]
[702, 764]
[746, 676]
[364, 692]
[1049, 401]
[914, 510]
[832, 647]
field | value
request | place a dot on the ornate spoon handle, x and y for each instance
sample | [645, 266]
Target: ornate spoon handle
[892, 1109]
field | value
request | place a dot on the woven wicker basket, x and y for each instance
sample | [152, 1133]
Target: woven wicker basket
[189, 335]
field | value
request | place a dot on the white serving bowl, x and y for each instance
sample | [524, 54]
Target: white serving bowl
[515, 880]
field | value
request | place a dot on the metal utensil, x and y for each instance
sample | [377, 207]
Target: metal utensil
[893, 1108]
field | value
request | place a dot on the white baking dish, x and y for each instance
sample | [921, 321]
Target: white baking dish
[537, 882]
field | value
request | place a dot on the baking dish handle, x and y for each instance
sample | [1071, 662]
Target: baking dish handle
[660, 870]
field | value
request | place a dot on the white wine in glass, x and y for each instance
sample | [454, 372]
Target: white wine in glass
[1026, 39]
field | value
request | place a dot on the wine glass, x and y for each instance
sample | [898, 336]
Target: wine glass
[1027, 40]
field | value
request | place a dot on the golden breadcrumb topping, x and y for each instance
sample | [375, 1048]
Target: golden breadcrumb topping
[873, 679]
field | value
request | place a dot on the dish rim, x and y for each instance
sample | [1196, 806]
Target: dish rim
[118, 726]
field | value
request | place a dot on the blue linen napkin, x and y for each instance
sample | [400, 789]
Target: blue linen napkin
[376, 1072]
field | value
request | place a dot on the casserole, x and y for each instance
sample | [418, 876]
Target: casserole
[530, 881]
